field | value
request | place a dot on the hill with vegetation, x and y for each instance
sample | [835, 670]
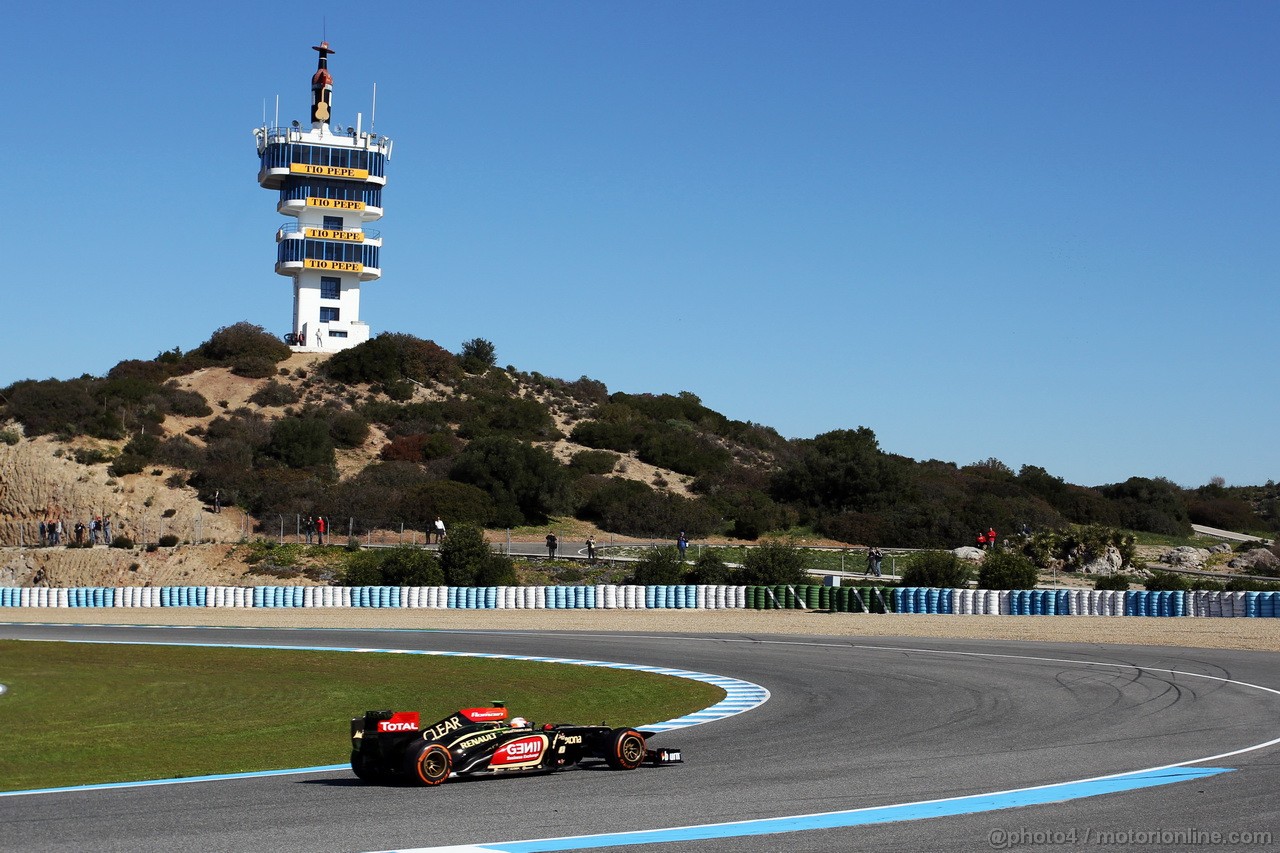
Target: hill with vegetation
[399, 430]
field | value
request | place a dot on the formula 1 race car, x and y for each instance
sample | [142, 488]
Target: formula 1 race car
[391, 747]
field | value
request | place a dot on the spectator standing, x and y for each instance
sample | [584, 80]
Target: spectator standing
[79, 531]
[982, 541]
[552, 542]
[95, 528]
[439, 526]
[322, 527]
[44, 533]
[682, 543]
[106, 529]
[309, 528]
[874, 557]
[991, 539]
[591, 549]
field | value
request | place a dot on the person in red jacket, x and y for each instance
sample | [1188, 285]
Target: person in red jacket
[982, 541]
[322, 527]
[991, 538]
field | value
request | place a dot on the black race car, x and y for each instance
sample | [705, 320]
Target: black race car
[393, 747]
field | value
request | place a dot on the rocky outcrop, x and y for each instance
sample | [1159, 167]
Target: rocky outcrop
[1257, 561]
[192, 565]
[40, 481]
[1109, 562]
[969, 553]
[1185, 557]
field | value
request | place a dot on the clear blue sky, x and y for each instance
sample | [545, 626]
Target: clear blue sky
[1043, 232]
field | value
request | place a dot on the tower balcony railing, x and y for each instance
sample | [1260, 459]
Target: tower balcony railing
[297, 266]
[287, 135]
[296, 229]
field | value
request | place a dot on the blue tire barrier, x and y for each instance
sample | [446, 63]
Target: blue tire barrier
[490, 597]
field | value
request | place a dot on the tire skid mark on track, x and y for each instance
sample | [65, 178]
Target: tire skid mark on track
[948, 807]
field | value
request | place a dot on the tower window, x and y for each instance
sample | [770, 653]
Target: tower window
[330, 287]
[333, 223]
[328, 315]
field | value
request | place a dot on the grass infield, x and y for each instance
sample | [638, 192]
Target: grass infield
[79, 713]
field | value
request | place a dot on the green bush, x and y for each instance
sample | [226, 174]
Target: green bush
[253, 366]
[1162, 581]
[122, 542]
[1249, 585]
[526, 483]
[1007, 570]
[660, 566]
[403, 566]
[53, 406]
[274, 393]
[1118, 581]
[1206, 585]
[421, 447]
[392, 357]
[594, 462]
[10, 436]
[941, 569]
[775, 563]
[301, 442]
[477, 356]
[468, 560]
[91, 455]
[243, 340]
[348, 429]
[710, 568]
[168, 541]
[634, 509]
[126, 463]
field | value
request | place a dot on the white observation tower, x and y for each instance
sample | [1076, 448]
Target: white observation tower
[331, 181]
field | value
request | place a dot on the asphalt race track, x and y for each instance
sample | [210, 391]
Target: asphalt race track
[851, 724]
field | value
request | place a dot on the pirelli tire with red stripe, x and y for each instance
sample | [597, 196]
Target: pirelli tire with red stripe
[393, 747]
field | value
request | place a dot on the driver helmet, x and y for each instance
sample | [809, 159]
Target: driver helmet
[519, 723]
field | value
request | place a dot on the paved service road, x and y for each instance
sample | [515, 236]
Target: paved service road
[850, 724]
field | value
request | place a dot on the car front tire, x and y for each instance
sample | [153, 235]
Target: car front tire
[626, 749]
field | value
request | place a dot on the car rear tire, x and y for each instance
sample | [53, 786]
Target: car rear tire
[369, 771]
[359, 768]
[626, 749]
[430, 764]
